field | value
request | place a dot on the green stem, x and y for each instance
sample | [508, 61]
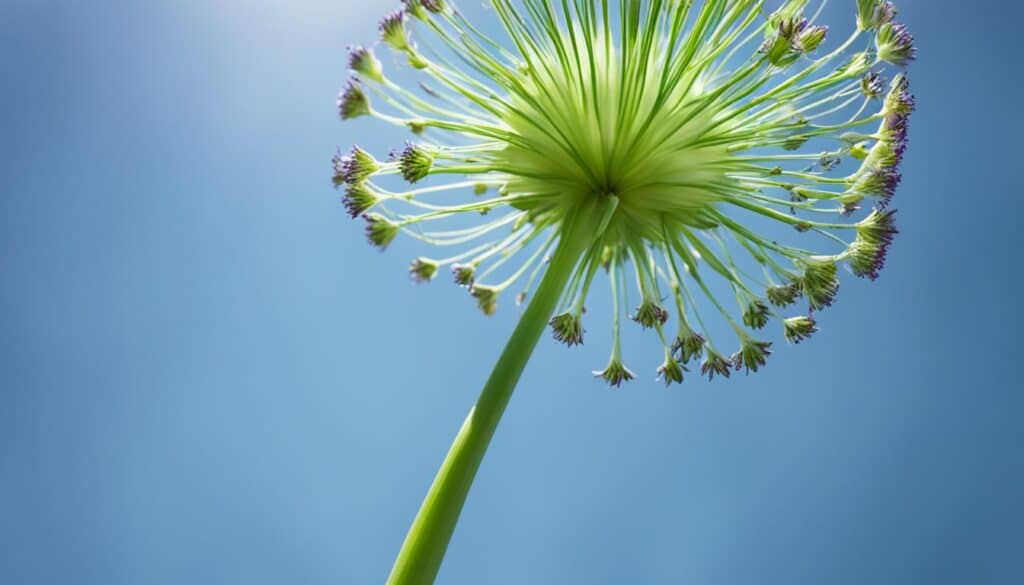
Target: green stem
[423, 550]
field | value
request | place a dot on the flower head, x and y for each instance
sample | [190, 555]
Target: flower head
[689, 345]
[873, 13]
[352, 102]
[463, 274]
[752, 354]
[874, 235]
[798, 329]
[486, 298]
[338, 163]
[895, 44]
[820, 282]
[362, 61]
[899, 101]
[380, 231]
[615, 373]
[567, 328]
[420, 8]
[393, 31]
[650, 314]
[358, 166]
[359, 199]
[680, 149]
[784, 295]
[423, 269]
[879, 181]
[715, 364]
[671, 371]
[872, 84]
[757, 314]
[791, 38]
[414, 162]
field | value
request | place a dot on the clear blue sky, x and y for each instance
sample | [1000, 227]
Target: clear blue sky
[208, 377]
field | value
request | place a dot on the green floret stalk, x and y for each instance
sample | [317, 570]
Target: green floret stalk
[423, 550]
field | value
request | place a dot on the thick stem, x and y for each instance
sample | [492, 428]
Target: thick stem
[423, 550]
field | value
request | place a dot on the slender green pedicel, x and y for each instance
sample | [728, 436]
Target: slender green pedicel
[687, 149]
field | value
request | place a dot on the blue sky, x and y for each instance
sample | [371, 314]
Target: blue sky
[208, 377]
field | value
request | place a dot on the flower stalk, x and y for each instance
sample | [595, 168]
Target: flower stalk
[423, 550]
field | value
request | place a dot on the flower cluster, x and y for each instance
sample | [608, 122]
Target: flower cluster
[678, 139]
